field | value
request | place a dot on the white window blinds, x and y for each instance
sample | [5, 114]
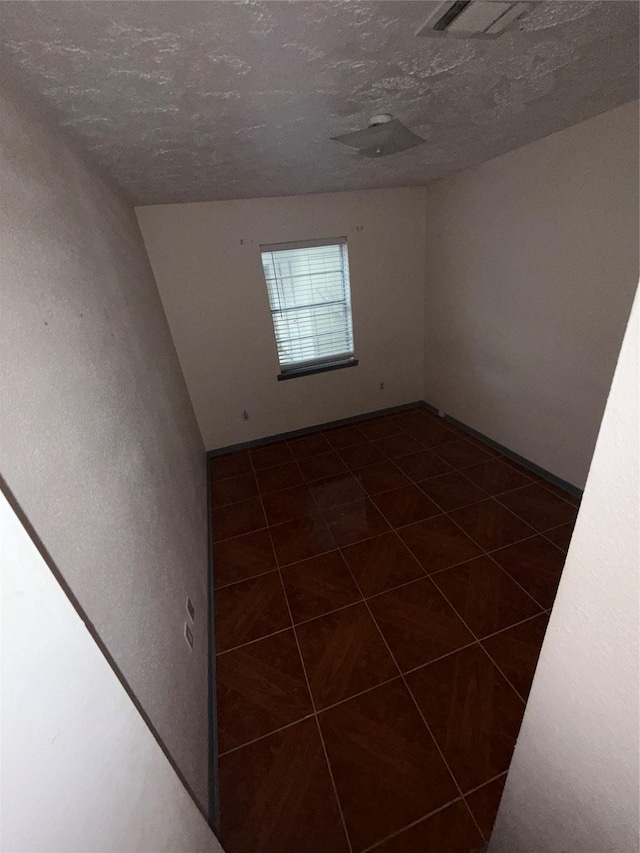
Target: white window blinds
[310, 298]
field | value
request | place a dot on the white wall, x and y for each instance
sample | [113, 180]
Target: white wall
[99, 442]
[206, 261]
[573, 783]
[81, 771]
[531, 265]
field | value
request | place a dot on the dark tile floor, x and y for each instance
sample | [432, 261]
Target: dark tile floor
[382, 592]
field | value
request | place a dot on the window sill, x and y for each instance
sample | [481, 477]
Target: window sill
[317, 368]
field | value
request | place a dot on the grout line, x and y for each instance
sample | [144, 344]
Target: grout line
[242, 580]
[251, 642]
[268, 734]
[411, 825]
[517, 583]
[482, 547]
[540, 532]
[359, 693]
[488, 782]
[509, 627]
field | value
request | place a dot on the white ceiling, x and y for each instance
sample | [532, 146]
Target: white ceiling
[188, 101]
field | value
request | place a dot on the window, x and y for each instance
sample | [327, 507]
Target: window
[310, 298]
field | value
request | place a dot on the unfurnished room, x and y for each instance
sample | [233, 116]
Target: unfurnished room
[319, 426]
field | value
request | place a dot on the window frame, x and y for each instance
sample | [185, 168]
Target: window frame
[338, 361]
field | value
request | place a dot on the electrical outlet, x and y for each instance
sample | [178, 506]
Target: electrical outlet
[381, 386]
[245, 415]
[191, 610]
[188, 635]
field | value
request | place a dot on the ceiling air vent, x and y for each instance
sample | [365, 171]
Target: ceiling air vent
[473, 19]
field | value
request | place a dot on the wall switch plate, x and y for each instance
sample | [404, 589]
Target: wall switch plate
[188, 635]
[191, 610]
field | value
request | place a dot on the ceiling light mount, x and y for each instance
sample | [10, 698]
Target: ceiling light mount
[382, 118]
[384, 135]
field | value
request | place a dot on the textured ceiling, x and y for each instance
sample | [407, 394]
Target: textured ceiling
[188, 101]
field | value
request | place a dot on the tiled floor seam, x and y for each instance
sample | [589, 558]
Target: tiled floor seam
[266, 735]
[484, 784]
[412, 824]
[516, 582]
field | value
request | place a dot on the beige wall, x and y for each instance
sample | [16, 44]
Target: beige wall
[206, 261]
[80, 769]
[99, 443]
[531, 265]
[573, 783]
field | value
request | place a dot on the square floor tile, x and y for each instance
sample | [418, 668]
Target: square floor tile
[405, 505]
[277, 796]
[431, 432]
[354, 521]
[496, 477]
[269, 455]
[536, 565]
[319, 585]
[398, 445]
[410, 415]
[359, 455]
[491, 525]
[322, 465]
[381, 477]
[438, 543]
[343, 436]
[287, 504]
[485, 597]
[561, 536]
[418, 623]
[539, 507]
[249, 610]
[300, 539]
[473, 712]
[381, 563]
[381, 427]
[451, 491]
[336, 490]
[462, 453]
[450, 830]
[236, 519]
[343, 654]
[516, 651]
[308, 445]
[242, 557]
[279, 477]
[221, 467]
[386, 767]
[422, 465]
[484, 804]
[233, 489]
[261, 687]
